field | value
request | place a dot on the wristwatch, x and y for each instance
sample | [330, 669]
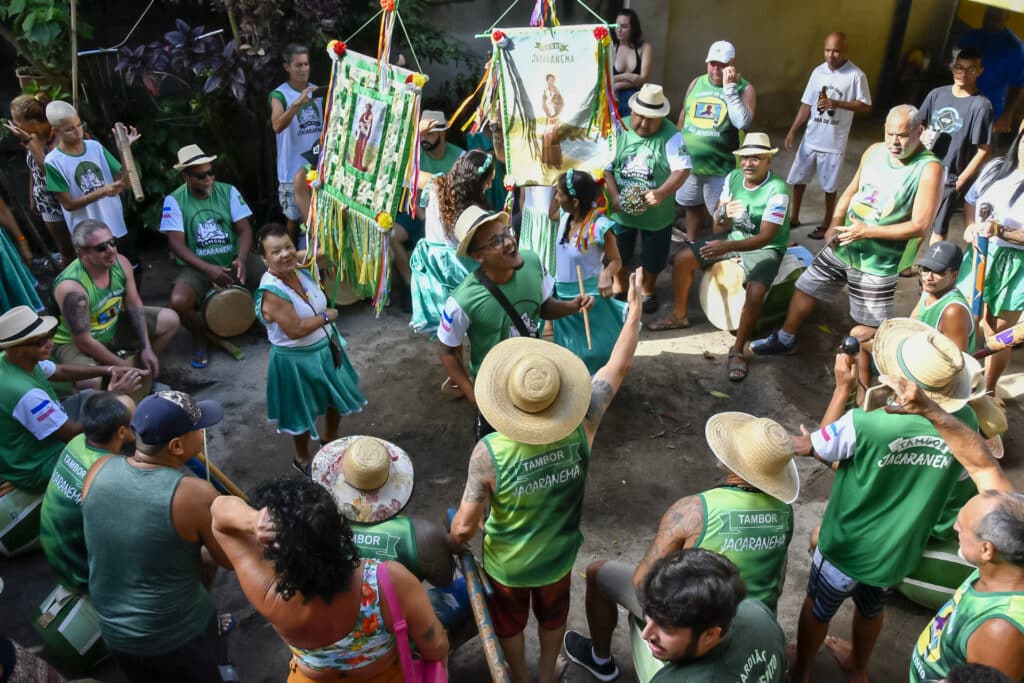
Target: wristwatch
[324, 316]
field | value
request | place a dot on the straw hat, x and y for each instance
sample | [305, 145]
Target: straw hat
[193, 155]
[432, 121]
[370, 479]
[532, 391]
[21, 323]
[758, 450]
[756, 144]
[650, 102]
[991, 418]
[470, 221]
[930, 359]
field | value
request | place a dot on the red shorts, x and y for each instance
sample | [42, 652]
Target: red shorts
[510, 607]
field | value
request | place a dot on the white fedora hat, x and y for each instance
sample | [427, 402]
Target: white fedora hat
[193, 155]
[21, 323]
[650, 101]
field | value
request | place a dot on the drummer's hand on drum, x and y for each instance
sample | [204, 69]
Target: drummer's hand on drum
[126, 380]
[219, 275]
[714, 249]
[149, 359]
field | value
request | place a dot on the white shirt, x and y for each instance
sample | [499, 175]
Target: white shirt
[315, 308]
[847, 83]
[37, 412]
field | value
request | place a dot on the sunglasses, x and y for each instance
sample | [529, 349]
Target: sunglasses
[201, 176]
[496, 242]
[102, 246]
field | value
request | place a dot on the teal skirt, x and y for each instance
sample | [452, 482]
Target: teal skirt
[17, 286]
[537, 234]
[1004, 279]
[302, 383]
[436, 271]
[606, 318]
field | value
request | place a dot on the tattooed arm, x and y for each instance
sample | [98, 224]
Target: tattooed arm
[74, 307]
[680, 527]
[480, 484]
[608, 379]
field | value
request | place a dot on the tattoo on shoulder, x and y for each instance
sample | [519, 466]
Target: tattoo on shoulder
[601, 395]
[481, 473]
[429, 633]
[76, 312]
[685, 517]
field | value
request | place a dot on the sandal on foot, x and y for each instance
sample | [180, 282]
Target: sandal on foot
[304, 471]
[669, 322]
[794, 224]
[199, 359]
[650, 303]
[737, 367]
[818, 233]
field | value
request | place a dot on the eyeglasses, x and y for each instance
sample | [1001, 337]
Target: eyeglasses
[201, 176]
[969, 70]
[74, 129]
[102, 246]
[496, 242]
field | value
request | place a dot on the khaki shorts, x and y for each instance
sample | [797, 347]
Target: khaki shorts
[201, 285]
[124, 338]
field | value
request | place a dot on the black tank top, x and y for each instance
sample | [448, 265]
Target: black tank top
[636, 69]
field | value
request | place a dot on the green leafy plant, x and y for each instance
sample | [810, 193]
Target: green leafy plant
[40, 31]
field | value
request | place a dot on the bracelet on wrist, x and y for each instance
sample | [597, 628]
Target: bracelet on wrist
[324, 316]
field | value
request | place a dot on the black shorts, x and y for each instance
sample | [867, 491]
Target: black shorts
[947, 205]
[197, 661]
[654, 245]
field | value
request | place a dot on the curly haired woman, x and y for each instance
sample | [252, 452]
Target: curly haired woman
[297, 564]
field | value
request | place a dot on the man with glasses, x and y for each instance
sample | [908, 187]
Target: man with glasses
[474, 312]
[208, 229]
[754, 209]
[92, 292]
[34, 425]
[959, 132]
[83, 174]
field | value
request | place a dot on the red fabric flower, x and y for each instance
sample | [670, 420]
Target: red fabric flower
[497, 36]
[600, 32]
[340, 48]
[387, 5]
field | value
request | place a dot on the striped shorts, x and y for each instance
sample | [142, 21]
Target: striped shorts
[871, 296]
[828, 587]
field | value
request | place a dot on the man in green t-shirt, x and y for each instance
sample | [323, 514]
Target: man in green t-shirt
[894, 474]
[748, 519]
[883, 213]
[701, 624]
[208, 230]
[473, 312]
[754, 209]
[531, 473]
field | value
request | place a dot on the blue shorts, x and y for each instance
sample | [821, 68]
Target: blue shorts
[828, 587]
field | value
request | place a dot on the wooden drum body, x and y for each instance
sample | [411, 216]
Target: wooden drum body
[722, 293]
[228, 312]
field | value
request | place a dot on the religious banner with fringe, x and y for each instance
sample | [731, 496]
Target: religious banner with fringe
[551, 88]
[367, 167]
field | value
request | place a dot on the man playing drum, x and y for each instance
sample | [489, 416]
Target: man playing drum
[208, 229]
[754, 208]
[890, 202]
[92, 292]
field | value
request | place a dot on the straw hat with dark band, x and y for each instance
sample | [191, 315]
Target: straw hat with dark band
[928, 358]
[532, 391]
[370, 479]
[756, 144]
[758, 450]
[471, 220]
[21, 323]
[650, 102]
[193, 155]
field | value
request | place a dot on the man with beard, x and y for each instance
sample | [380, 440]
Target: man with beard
[478, 309]
[207, 227]
[892, 200]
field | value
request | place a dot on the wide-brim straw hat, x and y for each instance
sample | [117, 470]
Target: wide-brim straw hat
[21, 323]
[650, 101]
[758, 450]
[432, 121]
[193, 155]
[471, 220]
[532, 391]
[991, 417]
[756, 144]
[370, 479]
[910, 348]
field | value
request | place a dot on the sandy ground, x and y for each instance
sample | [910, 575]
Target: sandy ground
[650, 451]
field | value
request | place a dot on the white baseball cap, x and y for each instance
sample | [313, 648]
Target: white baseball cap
[721, 51]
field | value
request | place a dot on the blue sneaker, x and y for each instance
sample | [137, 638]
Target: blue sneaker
[578, 649]
[772, 345]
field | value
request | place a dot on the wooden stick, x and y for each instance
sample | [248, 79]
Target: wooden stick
[488, 638]
[216, 472]
[586, 318]
[1006, 339]
[979, 263]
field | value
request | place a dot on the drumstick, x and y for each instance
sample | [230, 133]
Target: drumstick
[979, 263]
[231, 486]
[1002, 340]
[125, 148]
[586, 319]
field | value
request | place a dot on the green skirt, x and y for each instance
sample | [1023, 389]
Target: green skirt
[436, 271]
[302, 383]
[17, 286]
[537, 234]
[606, 318]
[1004, 279]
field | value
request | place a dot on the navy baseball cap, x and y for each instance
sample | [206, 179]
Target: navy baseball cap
[941, 256]
[166, 415]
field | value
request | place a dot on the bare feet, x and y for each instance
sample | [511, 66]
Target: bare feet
[842, 650]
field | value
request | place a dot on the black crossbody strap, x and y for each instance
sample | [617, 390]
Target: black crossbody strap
[517, 320]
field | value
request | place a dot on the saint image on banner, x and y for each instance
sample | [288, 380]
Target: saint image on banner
[551, 143]
[366, 131]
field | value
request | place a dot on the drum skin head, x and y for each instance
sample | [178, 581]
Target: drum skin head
[722, 294]
[229, 312]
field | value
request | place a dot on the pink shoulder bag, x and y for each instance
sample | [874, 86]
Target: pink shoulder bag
[414, 669]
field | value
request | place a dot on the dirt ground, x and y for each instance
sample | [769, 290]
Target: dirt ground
[649, 452]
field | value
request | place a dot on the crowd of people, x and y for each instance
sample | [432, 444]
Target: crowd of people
[327, 555]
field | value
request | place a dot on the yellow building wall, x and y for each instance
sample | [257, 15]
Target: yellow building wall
[971, 12]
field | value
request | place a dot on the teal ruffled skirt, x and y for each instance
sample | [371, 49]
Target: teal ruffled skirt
[537, 234]
[436, 271]
[17, 286]
[606, 319]
[302, 383]
[1004, 279]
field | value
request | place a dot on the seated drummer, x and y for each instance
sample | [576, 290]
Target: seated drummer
[32, 421]
[208, 229]
[754, 209]
[91, 293]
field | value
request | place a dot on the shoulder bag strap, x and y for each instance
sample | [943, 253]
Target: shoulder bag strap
[398, 622]
[517, 320]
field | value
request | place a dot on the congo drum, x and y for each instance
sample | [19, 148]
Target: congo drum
[69, 627]
[228, 311]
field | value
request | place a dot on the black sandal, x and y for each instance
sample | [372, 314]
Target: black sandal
[818, 233]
